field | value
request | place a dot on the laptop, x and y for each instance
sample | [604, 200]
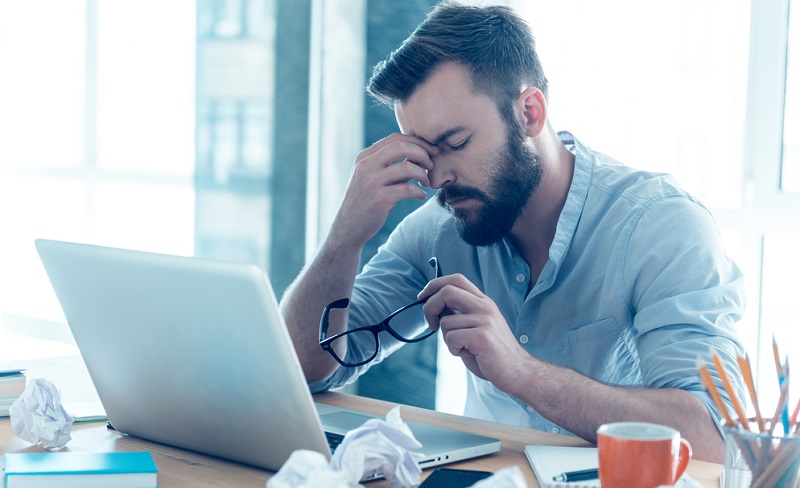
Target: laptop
[194, 353]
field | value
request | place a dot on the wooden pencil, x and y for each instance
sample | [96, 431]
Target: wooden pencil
[747, 373]
[779, 409]
[705, 377]
[793, 418]
[726, 383]
[777, 357]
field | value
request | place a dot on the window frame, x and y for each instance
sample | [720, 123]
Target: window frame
[766, 97]
[766, 208]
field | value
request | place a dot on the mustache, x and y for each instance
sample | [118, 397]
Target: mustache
[459, 192]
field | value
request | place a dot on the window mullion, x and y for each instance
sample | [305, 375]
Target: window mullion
[90, 117]
[765, 105]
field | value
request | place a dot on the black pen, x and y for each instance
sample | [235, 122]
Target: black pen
[585, 474]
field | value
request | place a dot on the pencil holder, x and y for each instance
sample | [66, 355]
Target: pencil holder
[760, 460]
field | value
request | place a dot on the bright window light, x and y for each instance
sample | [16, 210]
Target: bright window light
[97, 117]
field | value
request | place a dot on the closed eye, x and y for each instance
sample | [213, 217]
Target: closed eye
[459, 146]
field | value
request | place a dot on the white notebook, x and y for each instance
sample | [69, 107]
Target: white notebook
[550, 461]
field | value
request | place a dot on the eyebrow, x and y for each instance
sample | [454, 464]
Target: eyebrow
[444, 135]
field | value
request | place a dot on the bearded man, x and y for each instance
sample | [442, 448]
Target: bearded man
[576, 290]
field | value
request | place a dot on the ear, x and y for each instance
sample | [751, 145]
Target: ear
[531, 108]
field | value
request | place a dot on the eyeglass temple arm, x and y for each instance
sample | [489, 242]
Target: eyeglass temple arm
[340, 303]
[323, 321]
[434, 262]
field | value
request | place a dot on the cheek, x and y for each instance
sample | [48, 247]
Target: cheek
[478, 163]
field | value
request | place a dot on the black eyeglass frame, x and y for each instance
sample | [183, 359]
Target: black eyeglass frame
[326, 342]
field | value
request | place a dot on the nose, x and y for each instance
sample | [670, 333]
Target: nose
[441, 175]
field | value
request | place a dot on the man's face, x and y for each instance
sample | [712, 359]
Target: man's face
[483, 169]
[514, 173]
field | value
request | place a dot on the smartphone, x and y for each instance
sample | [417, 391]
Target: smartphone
[454, 478]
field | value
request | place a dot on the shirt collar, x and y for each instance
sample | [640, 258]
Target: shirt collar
[576, 198]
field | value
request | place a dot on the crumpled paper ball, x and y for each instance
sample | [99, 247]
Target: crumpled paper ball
[377, 446]
[38, 417]
[306, 468]
[381, 446]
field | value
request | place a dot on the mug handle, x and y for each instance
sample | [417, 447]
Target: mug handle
[683, 459]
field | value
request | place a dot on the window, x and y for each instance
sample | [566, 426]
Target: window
[657, 85]
[151, 126]
[771, 151]
[790, 167]
[96, 141]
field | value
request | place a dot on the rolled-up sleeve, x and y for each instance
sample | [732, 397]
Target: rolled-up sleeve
[687, 296]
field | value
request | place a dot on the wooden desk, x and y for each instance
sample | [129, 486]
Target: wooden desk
[180, 468]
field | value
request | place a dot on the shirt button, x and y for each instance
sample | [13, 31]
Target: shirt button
[523, 339]
[520, 278]
[555, 430]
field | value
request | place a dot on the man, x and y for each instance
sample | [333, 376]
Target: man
[577, 291]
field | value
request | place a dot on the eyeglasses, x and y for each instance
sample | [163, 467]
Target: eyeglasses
[406, 322]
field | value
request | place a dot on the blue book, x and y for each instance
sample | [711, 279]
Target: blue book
[80, 469]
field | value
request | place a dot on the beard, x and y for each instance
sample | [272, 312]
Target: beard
[515, 175]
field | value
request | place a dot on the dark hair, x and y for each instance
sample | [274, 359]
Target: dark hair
[492, 42]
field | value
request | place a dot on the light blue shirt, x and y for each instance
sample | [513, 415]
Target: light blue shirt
[636, 287]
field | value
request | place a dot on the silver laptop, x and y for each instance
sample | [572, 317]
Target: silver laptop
[194, 353]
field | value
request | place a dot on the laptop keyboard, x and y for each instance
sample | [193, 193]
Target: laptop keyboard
[334, 440]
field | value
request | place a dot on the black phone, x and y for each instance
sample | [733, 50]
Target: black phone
[454, 478]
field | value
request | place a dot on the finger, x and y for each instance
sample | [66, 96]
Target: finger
[455, 345]
[434, 319]
[457, 280]
[399, 137]
[377, 145]
[404, 191]
[456, 341]
[397, 147]
[404, 151]
[403, 171]
[371, 182]
[398, 182]
[449, 300]
[461, 320]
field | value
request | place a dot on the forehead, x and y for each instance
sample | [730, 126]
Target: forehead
[447, 99]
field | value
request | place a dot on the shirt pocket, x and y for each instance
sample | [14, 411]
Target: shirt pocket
[601, 351]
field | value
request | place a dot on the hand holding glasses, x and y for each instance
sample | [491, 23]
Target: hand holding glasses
[370, 333]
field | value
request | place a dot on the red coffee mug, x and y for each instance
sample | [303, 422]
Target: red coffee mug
[641, 455]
